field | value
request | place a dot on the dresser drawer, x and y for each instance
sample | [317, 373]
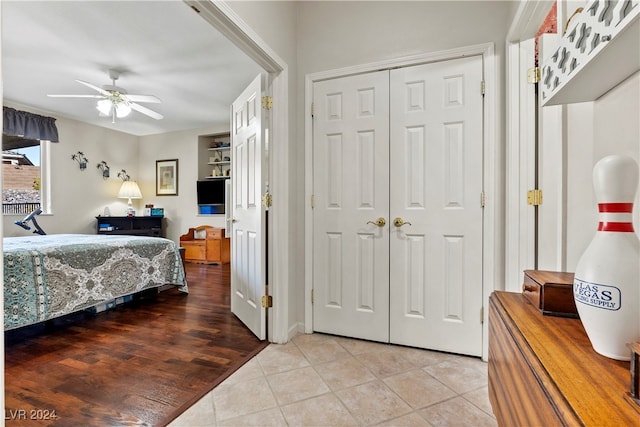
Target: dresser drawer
[194, 250]
[215, 233]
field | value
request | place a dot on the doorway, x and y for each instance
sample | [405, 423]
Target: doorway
[398, 211]
[222, 17]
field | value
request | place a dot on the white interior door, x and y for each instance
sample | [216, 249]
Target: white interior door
[436, 206]
[351, 191]
[248, 221]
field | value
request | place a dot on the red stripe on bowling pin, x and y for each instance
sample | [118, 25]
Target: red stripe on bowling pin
[624, 227]
[621, 227]
[615, 207]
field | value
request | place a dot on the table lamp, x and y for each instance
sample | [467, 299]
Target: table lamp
[130, 190]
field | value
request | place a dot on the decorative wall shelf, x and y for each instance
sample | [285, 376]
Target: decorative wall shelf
[600, 49]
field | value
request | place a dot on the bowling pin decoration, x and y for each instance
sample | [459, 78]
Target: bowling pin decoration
[607, 277]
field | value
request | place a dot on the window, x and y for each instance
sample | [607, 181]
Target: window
[23, 177]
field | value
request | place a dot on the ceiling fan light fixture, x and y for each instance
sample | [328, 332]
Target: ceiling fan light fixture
[104, 106]
[122, 110]
[115, 102]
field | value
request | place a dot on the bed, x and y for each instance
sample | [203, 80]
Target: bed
[57, 274]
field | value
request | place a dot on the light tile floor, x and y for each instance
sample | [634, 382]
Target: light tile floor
[323, 380]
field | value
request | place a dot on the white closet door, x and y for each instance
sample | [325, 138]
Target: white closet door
[351, 191]
[436, 186]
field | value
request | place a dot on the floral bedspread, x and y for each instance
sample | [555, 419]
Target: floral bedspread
[57, 274]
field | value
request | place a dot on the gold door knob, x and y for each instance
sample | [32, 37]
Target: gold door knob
[232, 220]
[399, 222]
[380, 222]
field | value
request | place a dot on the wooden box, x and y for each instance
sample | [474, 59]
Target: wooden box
[551, 292]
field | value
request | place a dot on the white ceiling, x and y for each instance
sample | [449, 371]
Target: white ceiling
[161, 48]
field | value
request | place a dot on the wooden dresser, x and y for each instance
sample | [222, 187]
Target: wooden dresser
[544, 372]
[206, 245]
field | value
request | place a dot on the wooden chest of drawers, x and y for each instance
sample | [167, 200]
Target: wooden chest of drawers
[207, 245]
[544, 372]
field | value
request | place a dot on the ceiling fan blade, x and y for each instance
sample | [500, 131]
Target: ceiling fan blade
[141, 98]
[76, 96]
[146, 111]
[94, 87]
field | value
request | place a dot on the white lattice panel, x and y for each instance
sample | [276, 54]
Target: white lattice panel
[599, 50]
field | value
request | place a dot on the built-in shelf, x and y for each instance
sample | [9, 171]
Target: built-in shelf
[214, 156]
[214, 173]
[599, 50]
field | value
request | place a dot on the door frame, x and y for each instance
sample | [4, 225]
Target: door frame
[552, 233]
[491, 261]
[224, 19]
[520, 163]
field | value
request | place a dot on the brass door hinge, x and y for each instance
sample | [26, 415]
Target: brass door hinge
[267, 301]
[267, 200]
[267, 102]
[482, 87]
[482, 315]
[533, 75]
[313, 201]
[534, 197]
[311, 296]
[312, 109]
[483, 199]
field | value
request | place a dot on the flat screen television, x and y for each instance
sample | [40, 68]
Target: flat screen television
[211, 192]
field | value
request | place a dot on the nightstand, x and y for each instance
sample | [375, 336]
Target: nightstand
[152, 226]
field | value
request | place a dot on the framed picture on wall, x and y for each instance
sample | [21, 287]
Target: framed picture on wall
[167, 177]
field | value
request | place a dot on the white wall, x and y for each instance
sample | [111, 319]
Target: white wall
[79, 196]
[181, 211]
[596, 129]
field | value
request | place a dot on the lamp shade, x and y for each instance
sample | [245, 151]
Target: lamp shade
[106, 108]
[130, 190]
[122, 110]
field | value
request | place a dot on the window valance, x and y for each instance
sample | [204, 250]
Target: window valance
[29, 125]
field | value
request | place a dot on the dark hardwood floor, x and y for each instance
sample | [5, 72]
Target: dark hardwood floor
[142, 363]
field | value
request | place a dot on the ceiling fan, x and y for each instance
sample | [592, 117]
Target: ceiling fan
[113, 101]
